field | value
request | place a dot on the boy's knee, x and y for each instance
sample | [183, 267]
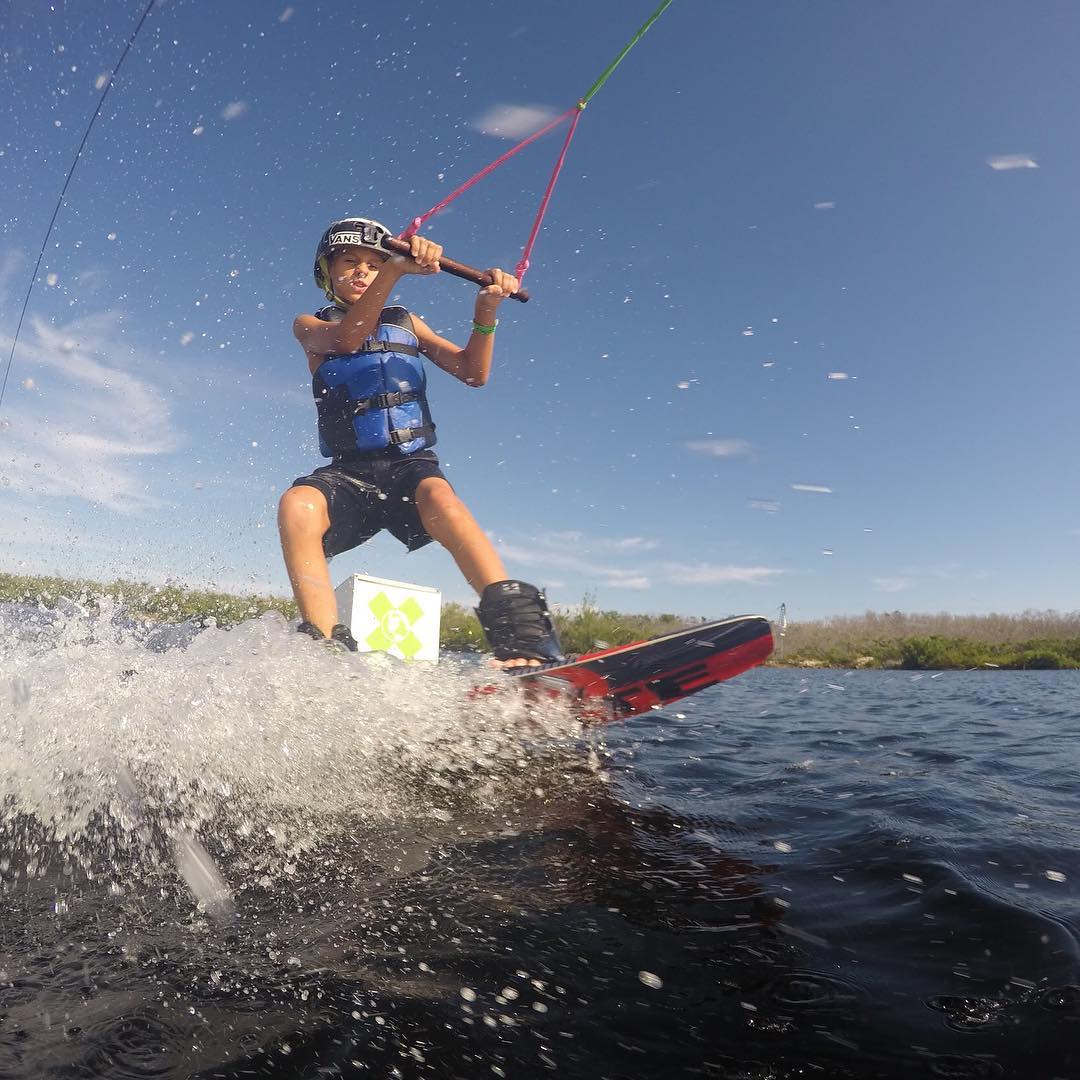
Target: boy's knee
[303, 509]
[436, 495]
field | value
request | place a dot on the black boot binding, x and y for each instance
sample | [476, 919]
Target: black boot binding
[517, 624]
[340, 635]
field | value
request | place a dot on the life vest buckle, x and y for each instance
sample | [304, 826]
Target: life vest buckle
[385, 401]
[405, 435]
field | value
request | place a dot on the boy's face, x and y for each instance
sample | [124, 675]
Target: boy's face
[353, 269]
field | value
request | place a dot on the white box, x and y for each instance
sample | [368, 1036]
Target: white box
[391, 616]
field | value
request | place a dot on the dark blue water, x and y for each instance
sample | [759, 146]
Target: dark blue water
[797, 874]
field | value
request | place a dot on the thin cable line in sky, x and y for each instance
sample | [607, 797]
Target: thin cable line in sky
[63, 192]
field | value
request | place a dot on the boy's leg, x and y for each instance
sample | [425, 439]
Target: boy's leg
[303, 518]
[448, 520]
[513, 614]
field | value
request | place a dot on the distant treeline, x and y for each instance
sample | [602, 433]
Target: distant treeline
[1033, 639]
[582, 630]
[159, 603]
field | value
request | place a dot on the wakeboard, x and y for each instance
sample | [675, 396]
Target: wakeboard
[629, 679]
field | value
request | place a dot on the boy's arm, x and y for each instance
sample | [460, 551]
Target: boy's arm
[320, 339]
[471, 364]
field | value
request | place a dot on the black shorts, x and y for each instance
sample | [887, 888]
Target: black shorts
[365, 495]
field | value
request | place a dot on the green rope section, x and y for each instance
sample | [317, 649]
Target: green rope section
[584, 100]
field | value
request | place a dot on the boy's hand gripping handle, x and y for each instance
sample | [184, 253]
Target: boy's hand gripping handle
[451, 266]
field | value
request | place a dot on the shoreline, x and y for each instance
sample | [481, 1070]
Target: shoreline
[1041, 641]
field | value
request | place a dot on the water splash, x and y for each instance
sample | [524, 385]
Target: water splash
[227, 754]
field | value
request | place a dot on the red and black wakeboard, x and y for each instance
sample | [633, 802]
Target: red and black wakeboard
[631, 679]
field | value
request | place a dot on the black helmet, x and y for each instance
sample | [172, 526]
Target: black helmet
[350, 231]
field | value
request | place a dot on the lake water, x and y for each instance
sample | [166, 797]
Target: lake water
[245, 857]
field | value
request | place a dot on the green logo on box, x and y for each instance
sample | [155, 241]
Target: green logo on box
[395, 625]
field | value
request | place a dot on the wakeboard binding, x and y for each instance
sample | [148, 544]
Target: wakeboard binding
[340, 636]
[517, 623]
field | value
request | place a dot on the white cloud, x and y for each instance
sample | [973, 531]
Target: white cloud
[11, 265]
[824, 206]
[632, 581]
[581, 542]
[817, 489]
[44, 538]
[514, 121]
[769, 506]
[1002, 162]
[593, 558]
[556, 559]
[890, 584]
[707, 574]
[629, 543]
[90, 279]
[94, 416]
[234, 110]
[720, 448]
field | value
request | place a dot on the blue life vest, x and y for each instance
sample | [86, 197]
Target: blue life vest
[375, 397]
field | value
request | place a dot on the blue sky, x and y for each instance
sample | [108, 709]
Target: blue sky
[804, 326]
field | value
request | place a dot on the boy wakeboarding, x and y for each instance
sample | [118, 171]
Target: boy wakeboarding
[375, 425]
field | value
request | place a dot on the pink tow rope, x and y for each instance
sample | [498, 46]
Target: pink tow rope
[418, 221]
[523, 262]
[576, 110]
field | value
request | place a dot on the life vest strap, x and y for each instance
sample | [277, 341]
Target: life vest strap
[386, 401]
[389, 346]
[404, 435]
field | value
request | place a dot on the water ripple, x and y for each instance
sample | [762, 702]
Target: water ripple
[210, 869]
